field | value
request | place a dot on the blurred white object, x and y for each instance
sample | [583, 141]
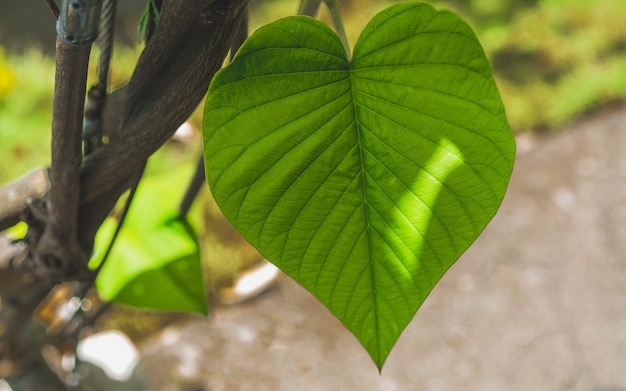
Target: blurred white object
[185, 131]
[112, 351]
[250, 283]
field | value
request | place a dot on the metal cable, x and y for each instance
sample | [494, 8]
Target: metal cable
[105, 41]
[92, 129]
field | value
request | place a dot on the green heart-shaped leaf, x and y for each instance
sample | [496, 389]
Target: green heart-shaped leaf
[363, 180]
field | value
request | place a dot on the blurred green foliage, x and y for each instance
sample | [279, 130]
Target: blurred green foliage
[553, 60]
[25, 114]
[26, 108]
[7, 77]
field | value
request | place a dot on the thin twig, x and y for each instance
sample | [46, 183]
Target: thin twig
[13, 196]
[122, 218]
[54, 8]
[195, 185]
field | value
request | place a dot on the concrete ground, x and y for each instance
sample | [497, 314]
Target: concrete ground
[538, 303]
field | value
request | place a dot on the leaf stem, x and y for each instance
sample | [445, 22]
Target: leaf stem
[335, 15]
[309, 7]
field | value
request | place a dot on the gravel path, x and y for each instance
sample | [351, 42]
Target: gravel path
[538, 303]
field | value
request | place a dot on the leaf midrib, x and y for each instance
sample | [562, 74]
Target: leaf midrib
[367, 217]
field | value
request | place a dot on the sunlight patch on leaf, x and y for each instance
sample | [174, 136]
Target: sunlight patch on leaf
[363, 180]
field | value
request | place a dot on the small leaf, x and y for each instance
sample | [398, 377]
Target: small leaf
[363, 180]
[155, 262]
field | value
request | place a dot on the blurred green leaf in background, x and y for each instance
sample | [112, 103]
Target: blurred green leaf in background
[155, 262]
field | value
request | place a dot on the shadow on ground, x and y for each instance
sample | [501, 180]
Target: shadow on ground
[538, 303]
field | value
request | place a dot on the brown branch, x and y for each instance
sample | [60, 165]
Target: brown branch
[241, 35]
[190, 43]
[173, 74]
[199, 178]
[13, 196]
[58, 250]
[21, 293]
[187, 48]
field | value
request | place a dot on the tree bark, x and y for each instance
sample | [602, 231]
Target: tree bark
[58, 251]
[189, 45]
